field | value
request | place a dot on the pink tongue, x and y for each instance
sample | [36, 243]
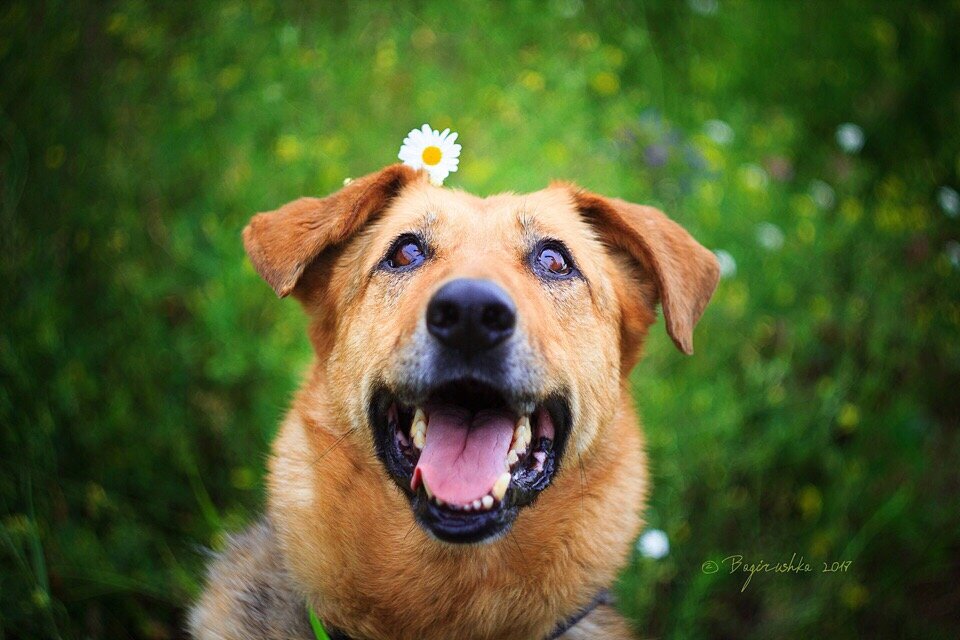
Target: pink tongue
[464, 454]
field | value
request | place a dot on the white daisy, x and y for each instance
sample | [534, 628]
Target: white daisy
[654, 544]
[770, 236]
[850, 137]
[431, 150]
[728, 265]
[949, 201]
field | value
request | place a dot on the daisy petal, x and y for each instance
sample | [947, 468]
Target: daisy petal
[443, 152]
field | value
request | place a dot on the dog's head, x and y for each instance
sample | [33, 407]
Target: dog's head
[473, 345]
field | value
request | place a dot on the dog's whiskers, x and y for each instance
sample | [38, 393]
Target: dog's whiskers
[336, 444]
[412, 527]
[583, 480]
[513, 537]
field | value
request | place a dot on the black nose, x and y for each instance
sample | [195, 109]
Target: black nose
[471, 315]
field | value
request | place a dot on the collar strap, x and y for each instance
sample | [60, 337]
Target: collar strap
[603, 597]
[318, 631]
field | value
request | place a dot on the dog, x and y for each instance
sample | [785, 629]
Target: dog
[463, 460]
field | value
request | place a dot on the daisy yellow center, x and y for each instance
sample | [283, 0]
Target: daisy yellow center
[432, 155]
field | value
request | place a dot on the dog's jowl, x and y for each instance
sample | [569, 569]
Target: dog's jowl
[462, 460]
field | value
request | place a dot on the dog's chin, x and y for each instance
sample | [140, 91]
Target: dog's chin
[467, 457]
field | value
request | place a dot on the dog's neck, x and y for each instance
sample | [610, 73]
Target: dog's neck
[350, 541]
[604, 597]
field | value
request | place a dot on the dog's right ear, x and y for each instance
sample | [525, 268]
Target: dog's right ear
[686, 272]
[282, 243]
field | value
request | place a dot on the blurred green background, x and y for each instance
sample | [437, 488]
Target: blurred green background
[815, 146]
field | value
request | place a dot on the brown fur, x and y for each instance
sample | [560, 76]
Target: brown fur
[345, 535]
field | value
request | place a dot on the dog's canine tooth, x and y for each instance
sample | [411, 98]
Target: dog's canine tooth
[522, 435]
[523, 424]
[500, 486]
[527, 429]
[418, 430]
[487, 501]
[512, 458]
[426, 488]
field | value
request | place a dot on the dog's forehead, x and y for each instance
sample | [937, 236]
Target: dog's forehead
[548, 212]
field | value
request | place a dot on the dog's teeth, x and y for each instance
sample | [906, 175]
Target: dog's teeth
[523, 424]
[419, 429]
[426, 488]
[467, 507]
[477, 504]
[500, 486]
[522, 435]
[487, 501]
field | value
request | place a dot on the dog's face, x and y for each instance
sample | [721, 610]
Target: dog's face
[475, 346]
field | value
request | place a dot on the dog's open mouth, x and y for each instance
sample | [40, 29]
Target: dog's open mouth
[466, 458]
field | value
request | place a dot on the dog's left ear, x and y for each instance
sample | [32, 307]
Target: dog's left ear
[282, 243]
[686, 273]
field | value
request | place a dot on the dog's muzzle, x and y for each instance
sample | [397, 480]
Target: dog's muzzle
[469, 433]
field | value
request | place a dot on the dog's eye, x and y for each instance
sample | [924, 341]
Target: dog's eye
[406, 252]
[553, 259]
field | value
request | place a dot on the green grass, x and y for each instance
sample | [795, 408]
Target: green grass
[144, 366]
